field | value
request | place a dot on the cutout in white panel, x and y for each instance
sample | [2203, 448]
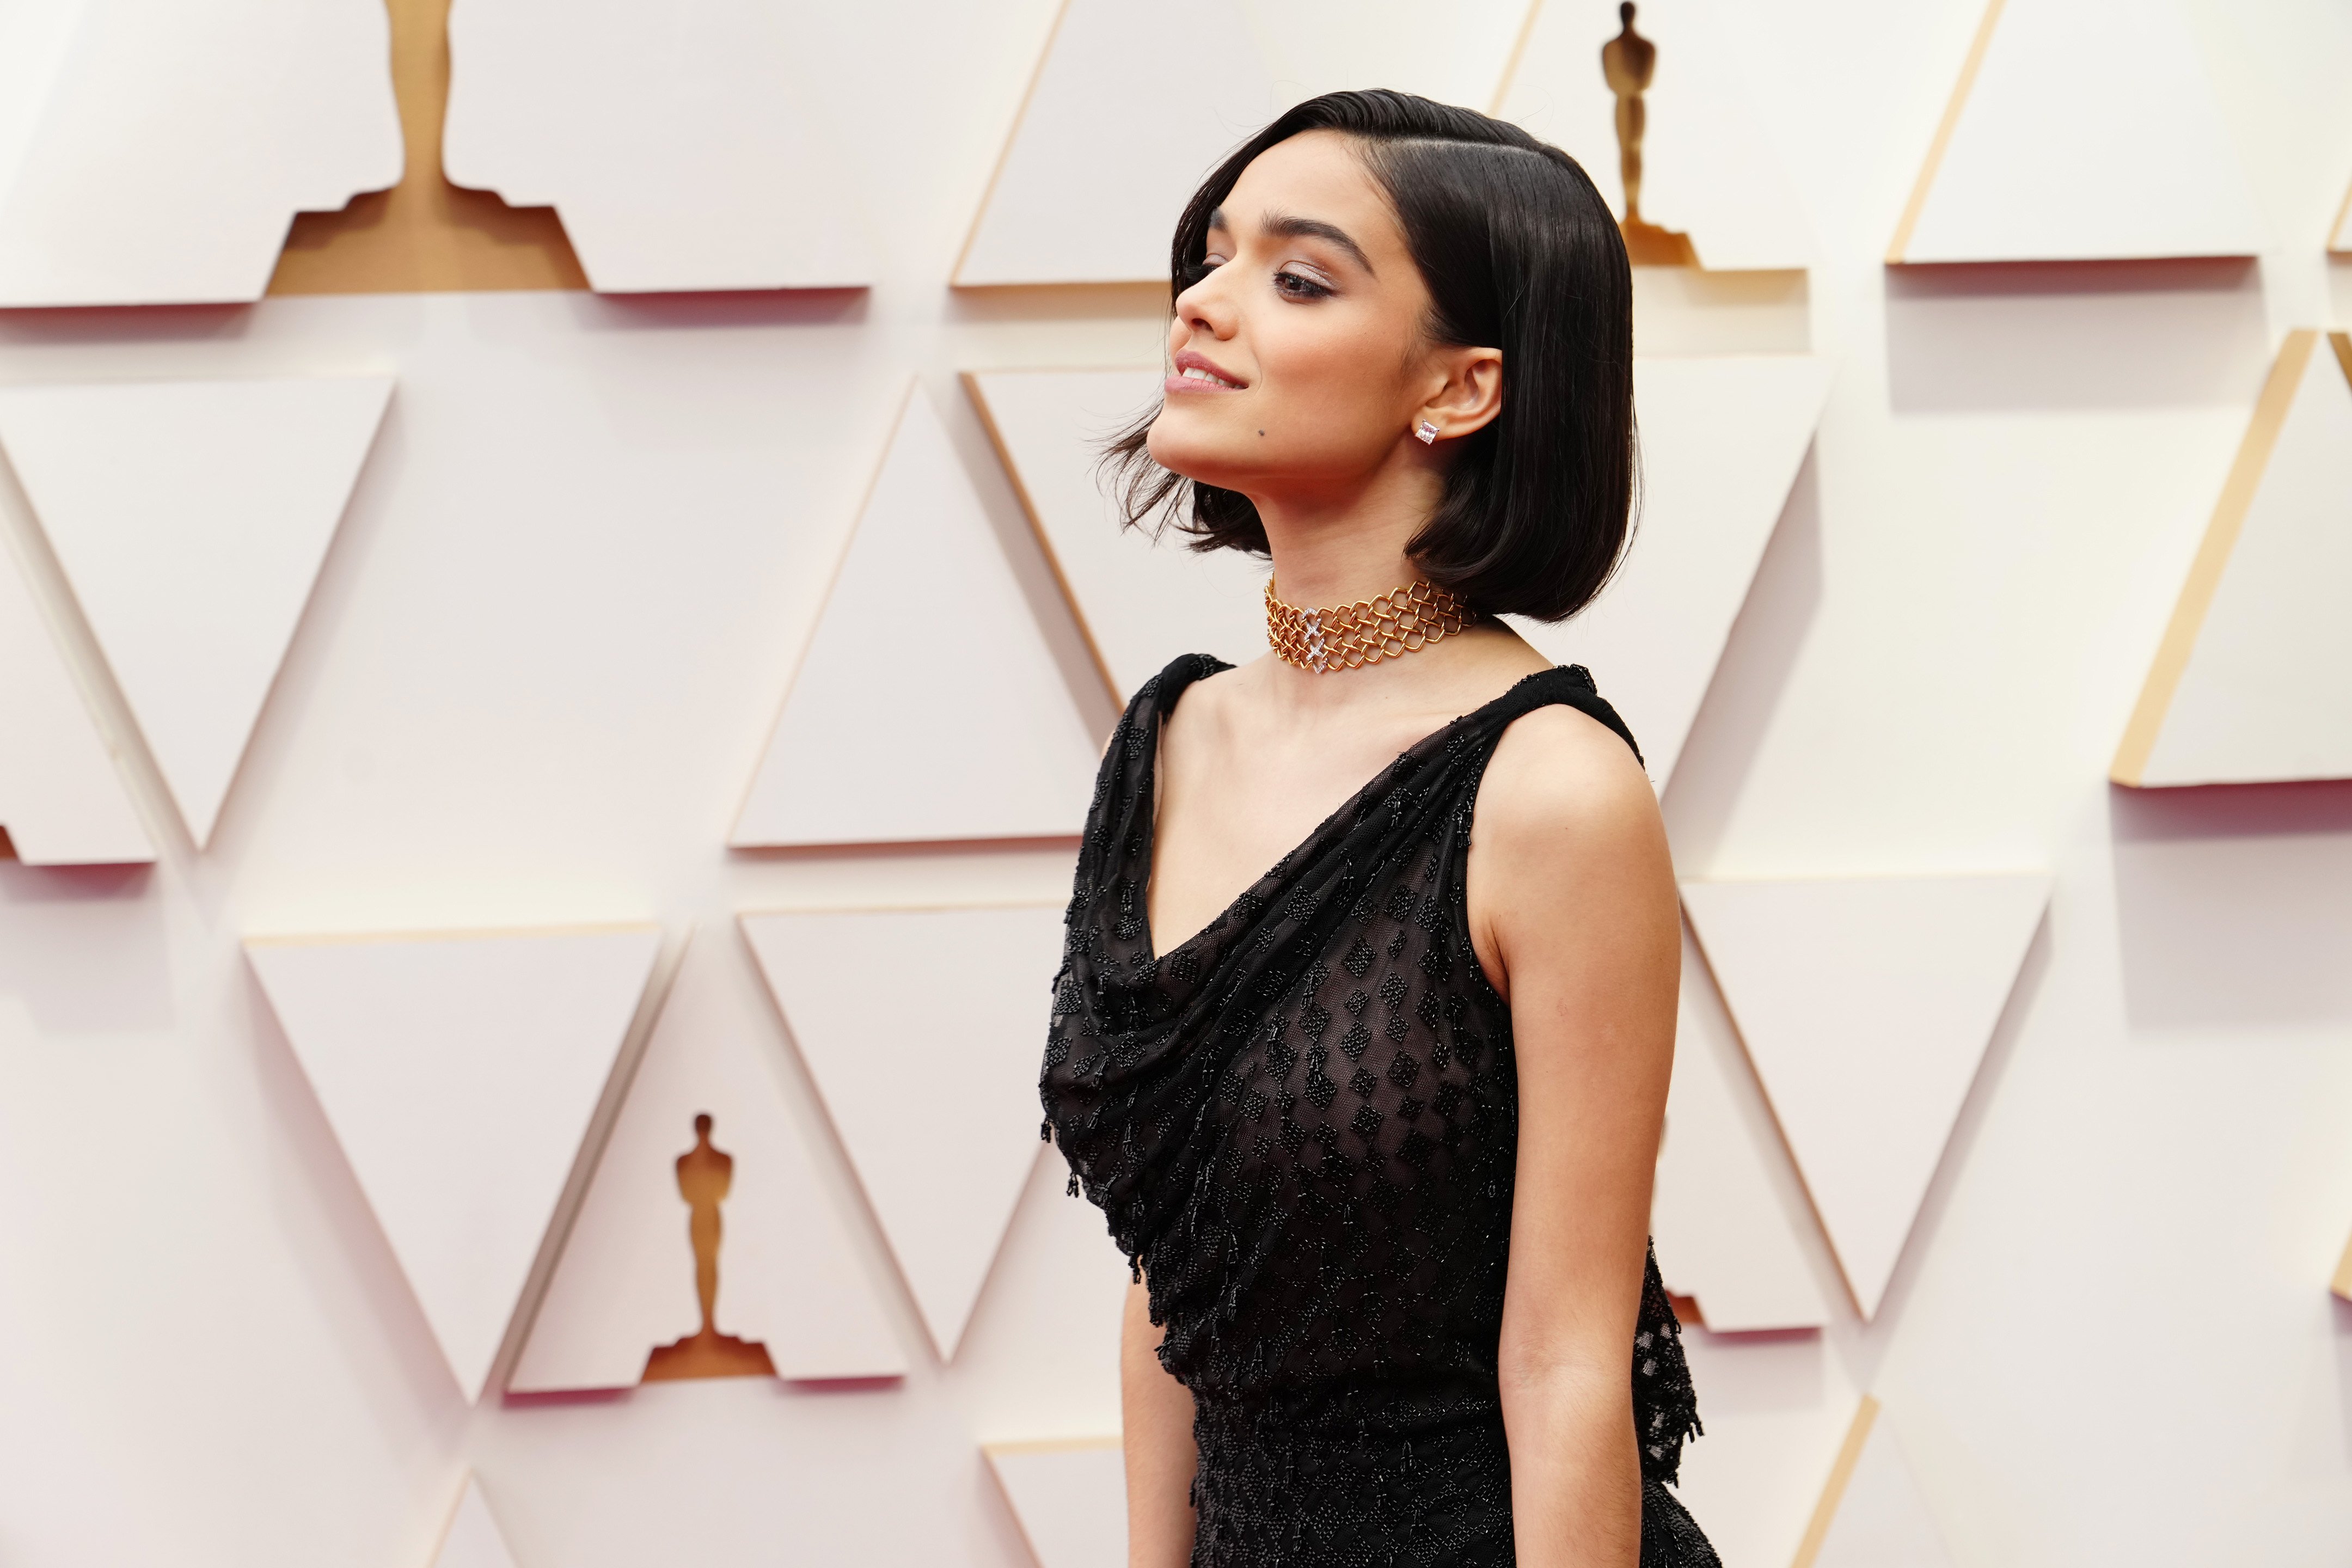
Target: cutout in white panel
[1724, 1230]
[1722, 440]
[473, 1540]
[460, 1073]
[924, 1029]
[1070, 1498]
[2080, 131]
[1101, 119]
[787, 1276]
[1140, 602]
[1872, 1513]
[928, 706]
[1708, 169]
[61, 802]
[1866, 1004]
[669, 139]
[2253, 681]
[191, 518]
[153, 151]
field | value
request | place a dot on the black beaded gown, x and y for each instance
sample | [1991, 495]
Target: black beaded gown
[1301, 1125]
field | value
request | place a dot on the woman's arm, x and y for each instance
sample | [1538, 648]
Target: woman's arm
[1157, 1412]
[1582, 922]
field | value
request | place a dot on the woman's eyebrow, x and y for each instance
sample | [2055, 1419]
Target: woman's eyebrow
[1283, 225]
[1290, 228]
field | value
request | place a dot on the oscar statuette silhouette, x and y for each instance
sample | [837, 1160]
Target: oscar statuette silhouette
[1628, 62]
[704, 1174]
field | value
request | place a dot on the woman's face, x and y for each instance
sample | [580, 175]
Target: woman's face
[1300, 360]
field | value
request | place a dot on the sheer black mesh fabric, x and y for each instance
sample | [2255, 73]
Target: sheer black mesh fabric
[1301, 1125]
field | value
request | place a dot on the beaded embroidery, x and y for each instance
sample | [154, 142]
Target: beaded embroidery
[1301, 1125]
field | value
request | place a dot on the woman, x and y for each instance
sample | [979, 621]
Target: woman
[1377, 1127]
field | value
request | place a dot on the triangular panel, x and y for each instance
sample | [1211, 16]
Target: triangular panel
[1095, 119]
[61, 802]
[472, 1539]
[1723, 1226]
[788, 1279]
[1722, 440]
[2341, 1286]
[673, 139]
[1866, 1004]
[460, 1074]
[2080, 131]
[1070, 1498]
[1872, 1513]
[1141, 601]
[191, 518]
[923, 1029]
[2339, 242]
[153, 151]
[1099, 163]
[1709, 170]
[2253, 680]
[928, 706]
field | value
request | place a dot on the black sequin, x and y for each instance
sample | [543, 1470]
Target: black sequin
[1332, 1295]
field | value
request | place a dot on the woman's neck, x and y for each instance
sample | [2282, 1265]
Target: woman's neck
[1336, 549]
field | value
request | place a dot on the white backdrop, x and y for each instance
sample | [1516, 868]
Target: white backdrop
[553, 630]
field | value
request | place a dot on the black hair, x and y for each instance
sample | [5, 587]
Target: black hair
[1520, 254]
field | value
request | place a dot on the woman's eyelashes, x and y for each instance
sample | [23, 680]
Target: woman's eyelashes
[1203, 268]
[1289, 282]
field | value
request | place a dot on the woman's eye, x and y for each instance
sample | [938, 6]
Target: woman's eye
[1294, 286]
[1201, 269]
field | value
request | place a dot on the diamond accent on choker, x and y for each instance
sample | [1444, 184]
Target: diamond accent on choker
[1349, 636]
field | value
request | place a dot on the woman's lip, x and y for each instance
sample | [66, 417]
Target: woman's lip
[1180, 383]
[1192, 359]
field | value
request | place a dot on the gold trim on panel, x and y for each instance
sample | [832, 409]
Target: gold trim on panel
[993, 1451]
[1935, 149]
[933, 907]
[1037, 526]
[908, 392]
[2343, 215]
[425, 235]
[653, 999]
[1053, 1444]
[1841, 1475]
[466, 933]
[1519, 54]
[2213, 555]
[1772, 1111]
[2342, 1284]
[1012, 134]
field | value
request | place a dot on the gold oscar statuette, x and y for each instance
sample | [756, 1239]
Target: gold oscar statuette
[704, 1174]
[1628, 62]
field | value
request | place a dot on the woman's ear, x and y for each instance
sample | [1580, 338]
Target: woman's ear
[1469, 399]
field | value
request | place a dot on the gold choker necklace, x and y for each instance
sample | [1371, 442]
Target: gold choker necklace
[1401, 621]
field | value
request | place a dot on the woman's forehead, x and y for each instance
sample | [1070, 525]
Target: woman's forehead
[1321, 166]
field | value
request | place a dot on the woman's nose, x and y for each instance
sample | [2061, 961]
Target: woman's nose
[1205, 308]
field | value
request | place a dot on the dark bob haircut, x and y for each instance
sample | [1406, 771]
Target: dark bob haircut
[1520, 254]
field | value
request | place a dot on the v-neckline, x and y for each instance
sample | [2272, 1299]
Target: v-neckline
[1150, 786]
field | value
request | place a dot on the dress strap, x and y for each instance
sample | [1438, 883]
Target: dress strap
[1566, 685]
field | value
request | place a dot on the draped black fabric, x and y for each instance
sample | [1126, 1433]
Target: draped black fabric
[1302, 1126]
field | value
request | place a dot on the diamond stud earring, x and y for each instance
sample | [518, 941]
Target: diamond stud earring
[1427, 432]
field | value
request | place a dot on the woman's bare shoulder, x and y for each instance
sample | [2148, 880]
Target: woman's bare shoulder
[1559, 779]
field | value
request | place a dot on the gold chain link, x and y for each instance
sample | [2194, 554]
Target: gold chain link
[1401, 621]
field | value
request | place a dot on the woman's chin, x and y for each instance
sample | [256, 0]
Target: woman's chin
[1204, 461]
